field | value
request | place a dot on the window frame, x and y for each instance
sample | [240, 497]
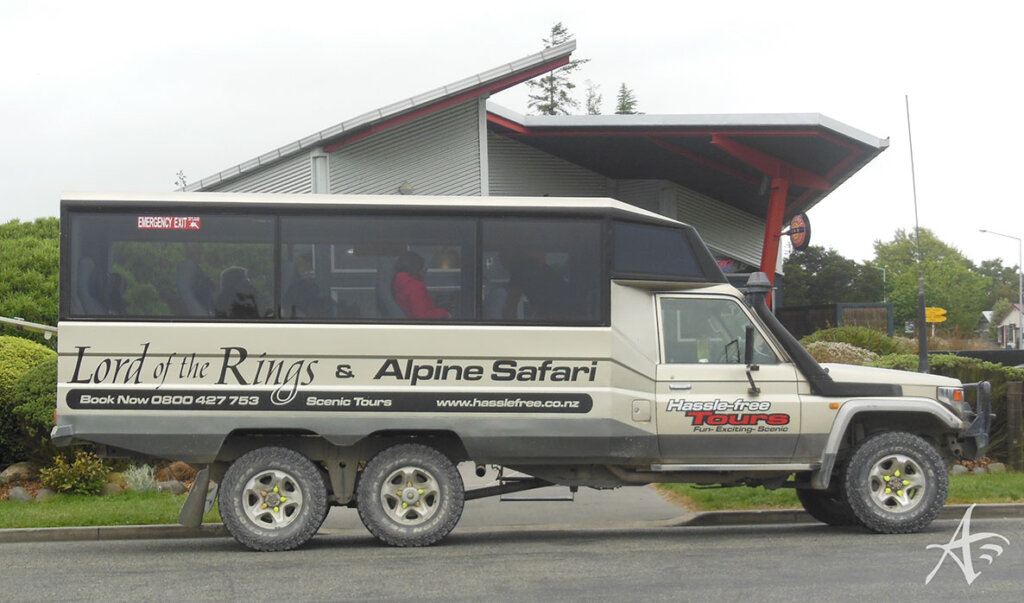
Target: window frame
[711, 273]
[762, 331]
[67, 242]
[72, 211]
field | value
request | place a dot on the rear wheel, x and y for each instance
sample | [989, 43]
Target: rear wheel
[273, 499]
[410, 495]
[896, 483]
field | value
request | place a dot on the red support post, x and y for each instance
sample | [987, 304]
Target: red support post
[773, 227]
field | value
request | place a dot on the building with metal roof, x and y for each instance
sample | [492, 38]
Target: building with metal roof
[737, 178]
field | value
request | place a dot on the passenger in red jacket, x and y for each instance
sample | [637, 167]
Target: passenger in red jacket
[410, 291]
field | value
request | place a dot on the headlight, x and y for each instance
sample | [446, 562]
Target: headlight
[953, 397]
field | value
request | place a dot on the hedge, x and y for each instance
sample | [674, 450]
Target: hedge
[968, 370]
[17, 356]
[34, 398]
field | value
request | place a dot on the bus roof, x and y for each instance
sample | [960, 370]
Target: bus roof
[306, 201]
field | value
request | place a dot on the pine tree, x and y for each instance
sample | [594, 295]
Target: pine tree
[552, 93]
[594, 98]
[625, 101]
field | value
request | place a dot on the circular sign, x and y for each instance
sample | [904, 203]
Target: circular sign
[799, 231]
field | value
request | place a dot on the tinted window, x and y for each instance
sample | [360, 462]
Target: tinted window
[149, 265]
[369, 267]
[708, 331]
[654, 251]
[541, 270]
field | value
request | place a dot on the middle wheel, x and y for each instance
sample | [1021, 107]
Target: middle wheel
[410, 495]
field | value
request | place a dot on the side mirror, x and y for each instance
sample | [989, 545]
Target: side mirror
[748, 346]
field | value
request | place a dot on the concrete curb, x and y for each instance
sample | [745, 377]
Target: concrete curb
[770, 516]
[207, 530]
[705, 518]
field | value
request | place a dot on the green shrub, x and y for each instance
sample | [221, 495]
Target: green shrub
[17, 356]
[861, 337]
[85, 475]
[968, 370]
[33, 400]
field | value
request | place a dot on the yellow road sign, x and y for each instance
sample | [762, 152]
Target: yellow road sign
[935, 315]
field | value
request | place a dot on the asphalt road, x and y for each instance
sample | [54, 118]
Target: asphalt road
[802, 562]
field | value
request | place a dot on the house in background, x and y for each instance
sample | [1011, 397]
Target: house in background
[1008, 330]
[737, 178]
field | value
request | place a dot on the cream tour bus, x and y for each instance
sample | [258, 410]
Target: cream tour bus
[316, 351]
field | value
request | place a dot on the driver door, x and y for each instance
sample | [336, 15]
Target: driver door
[706, 409]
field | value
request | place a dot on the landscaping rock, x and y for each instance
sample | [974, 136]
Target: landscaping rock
[171, 486]
[958, 470]
[20, 471]
[978, 470]
[996, 468]
[45, 494]
[19, 493]
[176, 471]
[111, 489]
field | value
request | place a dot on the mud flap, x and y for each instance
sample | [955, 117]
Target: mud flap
[191, 514]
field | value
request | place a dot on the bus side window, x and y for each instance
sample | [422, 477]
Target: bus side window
[355, 259]
[541, 270]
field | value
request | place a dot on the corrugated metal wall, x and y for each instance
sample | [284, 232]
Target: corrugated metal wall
[437, 155]
[642, 193]
[728, 231]
[735, 233]
[517, 169]
[291, 175]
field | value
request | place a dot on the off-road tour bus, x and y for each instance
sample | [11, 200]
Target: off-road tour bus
[312, 350]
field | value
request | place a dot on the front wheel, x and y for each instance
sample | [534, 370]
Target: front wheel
[896, 483]
[273, 499]
[410, 495]
[827, 507]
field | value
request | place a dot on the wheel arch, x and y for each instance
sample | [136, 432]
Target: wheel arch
[859, 419]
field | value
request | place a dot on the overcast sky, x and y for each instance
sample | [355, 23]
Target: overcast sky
[119, 96]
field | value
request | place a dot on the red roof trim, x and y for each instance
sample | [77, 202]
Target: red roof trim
[652, 131]
[508, 124]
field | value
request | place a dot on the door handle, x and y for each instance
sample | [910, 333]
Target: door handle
[679, 386]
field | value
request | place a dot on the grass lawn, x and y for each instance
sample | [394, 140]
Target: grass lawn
[130, 508]
[963, 489]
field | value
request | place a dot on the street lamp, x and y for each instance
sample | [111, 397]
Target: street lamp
[882, 268]
[1020, 285]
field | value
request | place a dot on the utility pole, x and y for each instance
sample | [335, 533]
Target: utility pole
[922, 334]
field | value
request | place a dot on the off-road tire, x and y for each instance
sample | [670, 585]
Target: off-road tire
[827, 507]
[911, 469]
[300, 499]
[420, 477]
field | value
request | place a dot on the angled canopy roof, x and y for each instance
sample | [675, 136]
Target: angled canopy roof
[731, 158]
[727, 157]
